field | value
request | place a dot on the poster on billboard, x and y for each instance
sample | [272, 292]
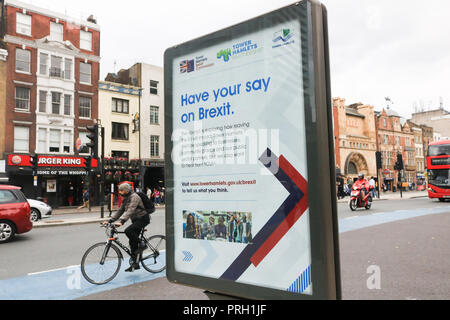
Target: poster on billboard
[241, 128]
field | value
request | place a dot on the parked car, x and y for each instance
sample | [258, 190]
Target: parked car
[39, 210]
[14, 213]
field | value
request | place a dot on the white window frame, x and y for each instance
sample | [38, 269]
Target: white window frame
[67, 143]
[80, 106]
[23, 27]
[57, 68]
[27, 62]
[85, 40]
[40, 101]
[154, 115]
[65, 96]
[43, 67]
[28, 101]
[56, 31]
[68, 66]
[16, 149]
[42, 140]
[54, 102]
[154, 87]
[59, 135]
[154, 146]
[84, 73]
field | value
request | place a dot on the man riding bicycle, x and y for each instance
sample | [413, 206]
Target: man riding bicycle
[132, 208]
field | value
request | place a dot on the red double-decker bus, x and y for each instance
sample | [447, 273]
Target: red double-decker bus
[438, 167]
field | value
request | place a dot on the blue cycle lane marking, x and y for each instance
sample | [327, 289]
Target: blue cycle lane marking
[360, 222]
[68, 283]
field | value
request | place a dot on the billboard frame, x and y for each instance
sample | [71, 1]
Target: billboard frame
[326, 281]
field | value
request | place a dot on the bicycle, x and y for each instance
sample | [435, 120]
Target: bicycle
[102, 261]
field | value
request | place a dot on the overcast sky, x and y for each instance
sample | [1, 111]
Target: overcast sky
[378, 48]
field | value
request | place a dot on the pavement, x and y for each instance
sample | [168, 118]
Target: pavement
[406, 195]
[72, 216]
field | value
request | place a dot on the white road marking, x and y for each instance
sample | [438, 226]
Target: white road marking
[59, 269]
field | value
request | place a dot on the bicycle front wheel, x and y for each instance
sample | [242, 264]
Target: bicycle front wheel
[101, 263]
[154, 256]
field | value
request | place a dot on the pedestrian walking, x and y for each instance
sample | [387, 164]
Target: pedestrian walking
[86, 202]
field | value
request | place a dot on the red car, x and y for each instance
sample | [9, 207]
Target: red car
[14, 213]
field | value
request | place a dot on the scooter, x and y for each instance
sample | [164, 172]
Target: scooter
[356, 202]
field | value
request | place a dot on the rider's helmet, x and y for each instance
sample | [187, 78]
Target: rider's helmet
[360, 176]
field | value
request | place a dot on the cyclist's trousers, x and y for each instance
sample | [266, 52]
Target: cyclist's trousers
[134, 231]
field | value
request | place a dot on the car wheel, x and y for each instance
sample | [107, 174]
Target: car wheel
[7, 231]
[35, 215]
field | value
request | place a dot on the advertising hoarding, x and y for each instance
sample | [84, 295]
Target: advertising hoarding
[248, 120]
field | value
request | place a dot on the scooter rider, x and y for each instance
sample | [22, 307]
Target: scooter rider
[361, 184]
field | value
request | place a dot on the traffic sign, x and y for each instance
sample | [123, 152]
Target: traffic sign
[251, 198]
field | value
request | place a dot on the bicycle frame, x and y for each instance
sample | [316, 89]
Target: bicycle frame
[124, 247]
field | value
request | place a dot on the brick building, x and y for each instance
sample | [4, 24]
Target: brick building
[52, 78]
[395, 136]
[355, 138]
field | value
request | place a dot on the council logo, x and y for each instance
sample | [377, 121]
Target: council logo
[187, 66]
[225, 54]
[282, 38]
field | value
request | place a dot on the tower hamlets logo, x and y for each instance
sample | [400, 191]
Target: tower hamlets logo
[225, 54]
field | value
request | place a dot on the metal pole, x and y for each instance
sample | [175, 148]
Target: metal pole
[378, 183]
[140, 158]
[102, 168]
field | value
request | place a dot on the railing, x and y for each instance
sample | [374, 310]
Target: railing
[56, 73]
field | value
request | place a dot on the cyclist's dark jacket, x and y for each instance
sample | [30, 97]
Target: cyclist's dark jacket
[132, 208]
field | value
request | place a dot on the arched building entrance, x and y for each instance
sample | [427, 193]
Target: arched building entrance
[355, 164]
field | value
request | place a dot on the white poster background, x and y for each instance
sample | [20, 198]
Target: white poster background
[277, 116]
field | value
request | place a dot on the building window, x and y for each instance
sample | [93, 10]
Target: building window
[120, 131]
[21, 139]
[154, 87]
[85, 73]
[120, 154]
[43, 101]
[85, 107]
[67, 141]
[120, 105]
[23, 24]
[352, 168]
[56, 103]
[397, 140]
[86, 40]
[67, 104]
[23, 60]
[56, 67]
[43, 63]
[154, 146]
[67, 69]
[84, 140]
[42, 140]
[55, 140]
[23, 99]
[56, 32]
[154, 115]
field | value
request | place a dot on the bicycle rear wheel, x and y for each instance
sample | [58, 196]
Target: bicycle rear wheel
[154, 256]
[101, 263]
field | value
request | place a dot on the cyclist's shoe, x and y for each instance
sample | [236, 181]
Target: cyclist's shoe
[134, 266]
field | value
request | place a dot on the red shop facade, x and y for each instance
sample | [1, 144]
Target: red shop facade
[59, 181]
